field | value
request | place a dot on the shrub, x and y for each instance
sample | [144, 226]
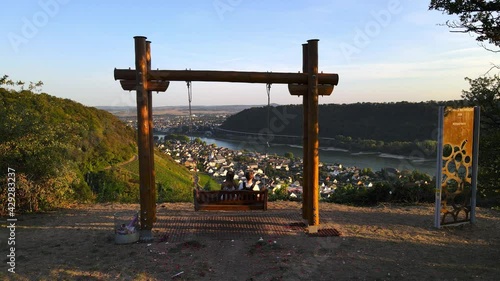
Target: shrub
[278, 193]
[380, 192]
[112, 186]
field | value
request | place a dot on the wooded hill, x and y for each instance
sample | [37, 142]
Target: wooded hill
[390, 127]
[60, 152]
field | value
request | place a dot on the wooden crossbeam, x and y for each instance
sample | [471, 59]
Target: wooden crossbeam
[227, 76]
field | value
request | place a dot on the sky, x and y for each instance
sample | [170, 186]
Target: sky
[383, 50]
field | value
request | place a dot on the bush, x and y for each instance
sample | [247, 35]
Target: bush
[413, 193]
[380, 192]
[108, 187]
[398, 192]
[164, 193]
[344, 194]
[278, 193]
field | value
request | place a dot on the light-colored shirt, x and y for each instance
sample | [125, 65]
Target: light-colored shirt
[255, 187]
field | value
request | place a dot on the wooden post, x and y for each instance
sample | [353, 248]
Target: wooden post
[151, 137]
[143, 139]
[305, 145]
[475, 159]
[313, 130]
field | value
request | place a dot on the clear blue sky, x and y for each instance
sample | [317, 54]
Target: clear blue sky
[383, 50]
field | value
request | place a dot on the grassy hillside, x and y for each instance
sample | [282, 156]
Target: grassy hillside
[174, 182]
[53, 144]
[60, 152]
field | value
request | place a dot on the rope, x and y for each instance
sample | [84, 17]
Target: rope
[268, 90]
[190, 98]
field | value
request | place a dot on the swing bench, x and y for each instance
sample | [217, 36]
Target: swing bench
[240, 200]
[220, 200]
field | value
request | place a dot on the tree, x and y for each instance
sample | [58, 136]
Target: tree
[482, 18]
[199, 141]
[289, 155]
[33, 86]
[475, 16]
[485, 93]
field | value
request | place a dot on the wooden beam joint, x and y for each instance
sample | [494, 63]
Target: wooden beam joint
[154, 86]
[301, 89]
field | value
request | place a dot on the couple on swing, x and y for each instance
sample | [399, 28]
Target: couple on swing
[250, 184]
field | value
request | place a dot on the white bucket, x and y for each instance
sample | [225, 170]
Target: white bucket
[126, 227]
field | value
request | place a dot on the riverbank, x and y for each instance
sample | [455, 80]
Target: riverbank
[331, 155]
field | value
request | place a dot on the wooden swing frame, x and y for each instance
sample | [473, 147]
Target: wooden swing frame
[309, 84]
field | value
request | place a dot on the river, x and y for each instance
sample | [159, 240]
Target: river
[372, 160]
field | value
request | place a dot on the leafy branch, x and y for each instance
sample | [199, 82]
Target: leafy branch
[32, 86]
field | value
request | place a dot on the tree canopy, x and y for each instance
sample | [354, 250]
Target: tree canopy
[485, 93]
[475, 16]
[482, 18]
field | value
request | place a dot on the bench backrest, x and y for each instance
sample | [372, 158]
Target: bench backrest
[230, 200]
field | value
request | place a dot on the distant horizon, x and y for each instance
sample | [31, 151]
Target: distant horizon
[272, 104]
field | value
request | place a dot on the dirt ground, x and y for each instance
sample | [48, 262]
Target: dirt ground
[386, 242]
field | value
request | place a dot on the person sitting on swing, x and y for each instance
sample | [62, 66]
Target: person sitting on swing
[250, 183]
[229, 184]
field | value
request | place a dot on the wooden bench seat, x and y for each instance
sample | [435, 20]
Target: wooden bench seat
[230, 200]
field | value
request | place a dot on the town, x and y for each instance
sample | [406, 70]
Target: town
[179, 137]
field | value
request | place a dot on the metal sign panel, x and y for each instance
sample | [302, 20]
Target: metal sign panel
[457, 165]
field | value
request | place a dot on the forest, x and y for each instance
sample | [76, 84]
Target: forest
[399, 127]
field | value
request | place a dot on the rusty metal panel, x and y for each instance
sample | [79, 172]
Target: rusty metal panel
[457, 165]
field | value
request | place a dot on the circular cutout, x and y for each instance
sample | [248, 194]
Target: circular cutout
[451, 186]
[447, 150]
[467, 159]
[451, 167]
[462, 171]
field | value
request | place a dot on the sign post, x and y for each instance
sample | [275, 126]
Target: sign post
[456, 175]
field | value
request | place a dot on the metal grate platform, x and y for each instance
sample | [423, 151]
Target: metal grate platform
[176, 226]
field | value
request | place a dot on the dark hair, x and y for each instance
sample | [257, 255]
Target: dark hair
[248, 173]
[230, 176]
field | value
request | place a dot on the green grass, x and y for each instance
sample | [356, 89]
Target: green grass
[174, 182]
[207, 181]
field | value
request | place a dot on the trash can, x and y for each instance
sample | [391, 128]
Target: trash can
[126, 227]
